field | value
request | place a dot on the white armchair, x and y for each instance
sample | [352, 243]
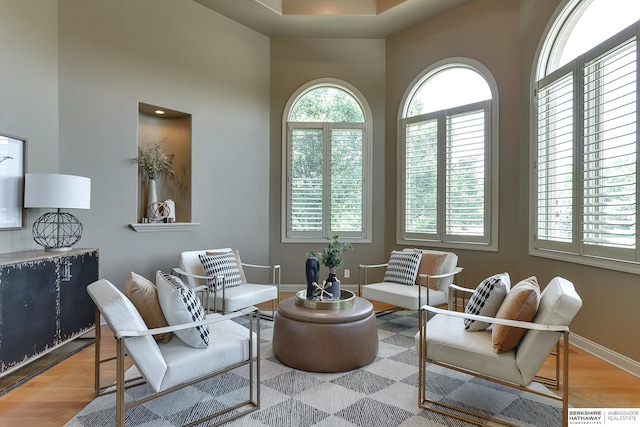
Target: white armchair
[436, 271]
[225, 298]
[171, 366]
[443, 341]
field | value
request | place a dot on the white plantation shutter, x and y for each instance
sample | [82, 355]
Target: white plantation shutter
[421, 177]
[609, 207]
[305, 187]
[347, 180]
[314, 211]
[554, 164]
[446, 192]
[586, 166]
[466, 195]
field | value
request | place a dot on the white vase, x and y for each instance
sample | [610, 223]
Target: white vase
[152, 197]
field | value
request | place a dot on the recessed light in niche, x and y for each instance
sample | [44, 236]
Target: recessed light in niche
[160, 112]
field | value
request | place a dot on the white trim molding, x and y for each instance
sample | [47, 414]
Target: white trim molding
[618, 360]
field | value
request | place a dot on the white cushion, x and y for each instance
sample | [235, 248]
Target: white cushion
[121, 315]
[486, 300]
[403, 267]
[229, 346]
[180, 305]
[559, 303]
[402, 295]
[449, 342]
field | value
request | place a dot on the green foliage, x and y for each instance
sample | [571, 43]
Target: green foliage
[327, 104]
[331, 255]
[153, 162]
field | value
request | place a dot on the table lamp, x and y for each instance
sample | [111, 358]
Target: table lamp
[57, 231]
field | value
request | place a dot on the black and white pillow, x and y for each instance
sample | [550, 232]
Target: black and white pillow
[486, 300]
[224, 264]
[180, 305]
[403, 267]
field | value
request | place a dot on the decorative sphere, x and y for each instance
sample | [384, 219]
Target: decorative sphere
[57, 230]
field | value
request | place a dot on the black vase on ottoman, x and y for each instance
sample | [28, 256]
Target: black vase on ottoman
[312, 271]
[333, 285]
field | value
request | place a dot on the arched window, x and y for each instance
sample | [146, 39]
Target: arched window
[326, 163]
[448, 169]
[584, 170]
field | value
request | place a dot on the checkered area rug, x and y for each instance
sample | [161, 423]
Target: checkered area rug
[383, 393]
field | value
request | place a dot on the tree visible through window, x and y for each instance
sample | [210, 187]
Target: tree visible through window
[446, 151]
[585, 169]
[326, 164]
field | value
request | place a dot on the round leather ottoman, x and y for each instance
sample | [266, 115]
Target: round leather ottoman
[325, 340]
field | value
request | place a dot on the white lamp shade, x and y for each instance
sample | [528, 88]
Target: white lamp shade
[51, 190]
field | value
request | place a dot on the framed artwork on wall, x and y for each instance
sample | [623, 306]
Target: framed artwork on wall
[12, 164]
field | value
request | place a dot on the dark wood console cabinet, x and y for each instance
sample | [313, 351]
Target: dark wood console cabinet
[43, 302]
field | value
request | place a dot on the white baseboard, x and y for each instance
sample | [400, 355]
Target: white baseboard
[618, 360]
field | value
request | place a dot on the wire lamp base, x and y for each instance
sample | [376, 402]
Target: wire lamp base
[57, 231]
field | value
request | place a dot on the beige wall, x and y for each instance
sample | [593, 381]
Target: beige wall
[111, 56]
[295, 62]
[29, 91]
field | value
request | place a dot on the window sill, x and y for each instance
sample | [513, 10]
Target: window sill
[173, 226]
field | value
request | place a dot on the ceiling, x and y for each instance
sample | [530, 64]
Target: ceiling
[376, 19]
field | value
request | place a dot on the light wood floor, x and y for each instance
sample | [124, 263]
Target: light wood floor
[55, 396]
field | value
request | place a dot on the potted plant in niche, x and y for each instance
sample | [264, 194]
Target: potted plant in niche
[152, 163]
[331, 257]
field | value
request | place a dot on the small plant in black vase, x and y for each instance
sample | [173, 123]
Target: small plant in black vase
[331, 256]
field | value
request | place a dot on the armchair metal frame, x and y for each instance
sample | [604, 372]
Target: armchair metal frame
[435, 406]
[252, 403]
[453, 305]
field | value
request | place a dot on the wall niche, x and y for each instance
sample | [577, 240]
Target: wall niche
[171, 129]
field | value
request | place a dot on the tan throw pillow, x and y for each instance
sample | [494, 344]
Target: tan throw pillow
[143, 295]
[430, 264]
[521, 303]
[236, 253]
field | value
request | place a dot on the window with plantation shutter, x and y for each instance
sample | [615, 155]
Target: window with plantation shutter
[554, 164]
[585, 170]
[327, 164]
[448, 179]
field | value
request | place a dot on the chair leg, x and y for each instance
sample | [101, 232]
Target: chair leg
[98, 332]
[120, 385]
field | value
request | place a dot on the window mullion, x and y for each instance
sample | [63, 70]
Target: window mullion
[577, 242]
[326, 179]
[442, 172]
